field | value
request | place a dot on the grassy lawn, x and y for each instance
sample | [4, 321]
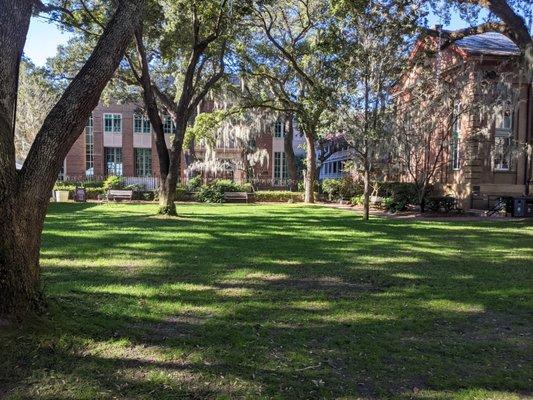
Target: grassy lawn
[277, 301]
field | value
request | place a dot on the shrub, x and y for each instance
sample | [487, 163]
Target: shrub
[113, 182]
[278, 196]
[247, 187]
[394, 205]
[93, 192]
[183, 193]
[445, 204]
[63, 186]
[210, 194]
[194, 183]
[331, 187]
[344, 188]
[135, 187]
[357, 200]
[214, 192]
[402, 192]
[93, 184]
[148, 195]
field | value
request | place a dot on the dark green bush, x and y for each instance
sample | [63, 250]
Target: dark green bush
[394, 205]
[214, 192]
[93, 184]
[194, 183]
[401, 192]
[446, 204]
[183, 193]
[149, 195]
[278, 196]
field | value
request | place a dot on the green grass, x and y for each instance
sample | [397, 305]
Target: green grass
[274, 301]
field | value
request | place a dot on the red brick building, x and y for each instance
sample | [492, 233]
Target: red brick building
[118, 141]
[489, 152]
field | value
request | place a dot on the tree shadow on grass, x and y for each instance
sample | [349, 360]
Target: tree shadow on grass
[271, 302]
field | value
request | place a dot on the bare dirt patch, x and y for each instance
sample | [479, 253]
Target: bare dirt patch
[178, 326]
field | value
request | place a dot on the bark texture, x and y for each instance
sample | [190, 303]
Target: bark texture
[24, 195]
[366, 192]
[311, 168]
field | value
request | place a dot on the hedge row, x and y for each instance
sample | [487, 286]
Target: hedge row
[278, 196]
[182, 194]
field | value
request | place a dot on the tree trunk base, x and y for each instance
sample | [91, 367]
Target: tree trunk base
[168, 209]
[20, 299]
[20, 279]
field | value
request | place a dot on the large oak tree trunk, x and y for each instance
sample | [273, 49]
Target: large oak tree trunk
[311, 168]
[24, 195]
[167, 191]
[169, 185]
[20, 242]
[289, 154]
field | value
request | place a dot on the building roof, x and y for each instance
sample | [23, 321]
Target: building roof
[489, 43]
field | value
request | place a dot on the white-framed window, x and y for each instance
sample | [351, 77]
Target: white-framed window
[168, 125]
[112, 123]
[280, 168]
[113, 158]
[89, 147]
[456, 137]
[279, 129]
[143, 162]
[141, 124]
[503, 138]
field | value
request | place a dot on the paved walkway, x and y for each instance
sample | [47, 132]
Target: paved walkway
[473, 215]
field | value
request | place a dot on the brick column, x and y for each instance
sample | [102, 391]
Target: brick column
[127, 143]
[98, 155]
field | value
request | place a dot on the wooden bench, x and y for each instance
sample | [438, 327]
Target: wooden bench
[237, 196]
[115, 194]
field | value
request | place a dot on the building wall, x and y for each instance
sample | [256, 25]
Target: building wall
[476, 183]
[128, 141]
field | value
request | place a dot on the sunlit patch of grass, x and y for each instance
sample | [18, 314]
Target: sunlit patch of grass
[274, 301]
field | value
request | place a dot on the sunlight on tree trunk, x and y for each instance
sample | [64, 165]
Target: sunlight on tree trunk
[310, 170]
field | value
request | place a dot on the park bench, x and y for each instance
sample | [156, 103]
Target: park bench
[116, 194]
[237, 196]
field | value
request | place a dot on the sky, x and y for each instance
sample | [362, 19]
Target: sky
[44, 37]
[42, 40]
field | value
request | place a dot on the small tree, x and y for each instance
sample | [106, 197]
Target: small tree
[289, 66]
[375, 37]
